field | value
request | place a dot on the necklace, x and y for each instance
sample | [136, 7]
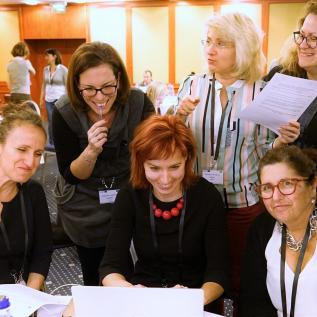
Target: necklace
[168, 214]
[291, 241]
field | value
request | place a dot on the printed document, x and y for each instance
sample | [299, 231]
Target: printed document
[283, 99]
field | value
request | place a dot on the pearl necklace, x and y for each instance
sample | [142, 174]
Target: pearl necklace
[291, 242]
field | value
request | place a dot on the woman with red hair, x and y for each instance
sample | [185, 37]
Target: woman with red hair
[175, 219]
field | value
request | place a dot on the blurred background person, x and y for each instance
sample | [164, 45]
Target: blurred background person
[156, 92]
[300, 60]
[53, 85]
[25, 229]
[147, 80]
[92, 129]
[280, 268]
[176, 219]
[229, 149]
[19, 70]
[162, 97]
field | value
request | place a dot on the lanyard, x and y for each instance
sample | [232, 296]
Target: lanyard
[103, 182]
[180, 238]
[215, 153]
[297, 271]
[17, 275]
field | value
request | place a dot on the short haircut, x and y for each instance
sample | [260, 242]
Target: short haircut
[302, 162]
[247, 38]
[159, 137]
[20, 49]
[56, 53]
[90, 55]
[148, 71]
[16, 115]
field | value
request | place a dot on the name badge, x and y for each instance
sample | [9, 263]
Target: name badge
[108, 196]
[213, 176]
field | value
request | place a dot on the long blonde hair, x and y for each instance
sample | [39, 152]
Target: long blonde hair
[289, 58]
[247, 38]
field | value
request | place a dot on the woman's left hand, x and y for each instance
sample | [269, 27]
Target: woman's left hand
[289, 133]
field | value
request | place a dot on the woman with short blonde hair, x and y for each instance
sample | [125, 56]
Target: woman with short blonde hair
[229, 149]
[247, 39]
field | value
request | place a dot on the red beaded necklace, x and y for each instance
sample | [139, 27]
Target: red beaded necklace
[168, 214]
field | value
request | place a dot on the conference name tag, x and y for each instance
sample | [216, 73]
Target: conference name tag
[108, 196]
[213, 176]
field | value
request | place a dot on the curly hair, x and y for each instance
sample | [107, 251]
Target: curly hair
[15, 115]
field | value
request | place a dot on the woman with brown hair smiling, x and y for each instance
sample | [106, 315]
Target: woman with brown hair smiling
[92, 128]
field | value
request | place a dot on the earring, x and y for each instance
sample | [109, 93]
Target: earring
[313, 201]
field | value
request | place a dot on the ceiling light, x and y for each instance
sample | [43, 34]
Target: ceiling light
[59, 7]
[31, 2]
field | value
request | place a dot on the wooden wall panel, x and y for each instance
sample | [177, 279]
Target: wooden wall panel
[150, 42]
[40, 22]
[281, 26]
[4, 90]
[10, 35]
[37, 49]
[189, 30]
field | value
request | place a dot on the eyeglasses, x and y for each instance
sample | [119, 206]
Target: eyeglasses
[107, 91]
[299, 38]
[285, 187]
[219, 44]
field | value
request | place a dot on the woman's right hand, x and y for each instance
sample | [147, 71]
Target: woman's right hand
[97, 136]
[187, 106]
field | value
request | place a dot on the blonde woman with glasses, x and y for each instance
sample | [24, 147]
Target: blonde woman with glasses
[229, 149]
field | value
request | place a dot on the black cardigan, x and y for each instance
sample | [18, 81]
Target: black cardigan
[39, 231]
[204, 256]
[254, 297]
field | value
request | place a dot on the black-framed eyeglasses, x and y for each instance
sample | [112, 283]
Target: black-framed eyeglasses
[285, 186]
[299, 38]
[107, 91]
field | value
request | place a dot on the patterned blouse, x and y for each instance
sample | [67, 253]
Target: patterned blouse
[241, 143]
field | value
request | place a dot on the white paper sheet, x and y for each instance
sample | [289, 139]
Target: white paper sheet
[283, 99]
[137, 302]
[25, 301]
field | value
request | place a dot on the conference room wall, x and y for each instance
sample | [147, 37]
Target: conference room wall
[283, 19]
[9, 35]
[164, 38]
[109, 25]
[150, 42]
[189, 30]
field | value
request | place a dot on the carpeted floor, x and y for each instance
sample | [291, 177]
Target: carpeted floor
[65, 268]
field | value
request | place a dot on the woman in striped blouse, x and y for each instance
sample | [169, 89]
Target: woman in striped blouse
[229, 149]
